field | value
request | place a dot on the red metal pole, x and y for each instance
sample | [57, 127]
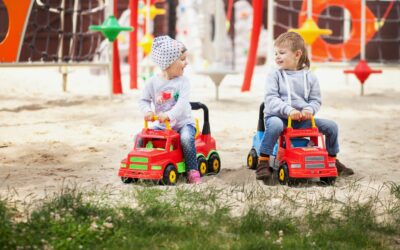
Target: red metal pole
[229, 11]
[255, 34]
[133, 6]
[117, 83]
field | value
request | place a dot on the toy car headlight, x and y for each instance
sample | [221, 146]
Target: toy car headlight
[156, 167]
[331, 164]
[295, 165]
[123, 165]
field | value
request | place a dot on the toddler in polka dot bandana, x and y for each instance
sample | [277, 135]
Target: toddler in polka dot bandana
[165, 51]
[169, 93]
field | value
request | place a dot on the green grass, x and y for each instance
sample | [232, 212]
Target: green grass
[179, 218]
[6, 230]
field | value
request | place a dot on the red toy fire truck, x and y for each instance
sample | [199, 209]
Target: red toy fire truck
[302, 155]
[157, 154]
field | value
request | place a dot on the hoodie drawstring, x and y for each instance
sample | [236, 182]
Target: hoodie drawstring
[285, 77]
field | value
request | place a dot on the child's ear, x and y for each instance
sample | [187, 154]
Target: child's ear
[298, 54]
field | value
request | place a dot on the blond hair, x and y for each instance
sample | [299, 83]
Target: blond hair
[294, 42]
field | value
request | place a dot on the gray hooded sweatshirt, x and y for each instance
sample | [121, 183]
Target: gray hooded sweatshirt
[304, 92]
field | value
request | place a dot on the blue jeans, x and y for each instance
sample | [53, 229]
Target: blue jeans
[275, 125]
[188, 133]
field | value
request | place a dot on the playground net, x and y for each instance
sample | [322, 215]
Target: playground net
[382, 26]
[57, 31]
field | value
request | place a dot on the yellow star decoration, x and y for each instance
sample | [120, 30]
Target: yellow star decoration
[310, 31]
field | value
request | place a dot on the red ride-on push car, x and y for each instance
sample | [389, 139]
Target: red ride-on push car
[157, 154]
[302, 155]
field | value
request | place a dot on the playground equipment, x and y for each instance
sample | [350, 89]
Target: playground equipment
[133, 37]
[110, 29]
[153, 11]
[229, 14]
[362, 70]
[255, 34]
[51, 34]
[133, 7]
[146, 43]
[310, 31]
[149, 11]
[350, 48]
[216, 75]
[342, 17]
[18, 14]
[243, 17]
[209, 44]
[55, 34]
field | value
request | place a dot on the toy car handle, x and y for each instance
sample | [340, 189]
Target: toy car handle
[290, 122]
[260, 125]
[167, 125]
[206, 124]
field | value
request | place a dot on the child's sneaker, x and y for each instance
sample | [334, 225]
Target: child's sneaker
[193, 177]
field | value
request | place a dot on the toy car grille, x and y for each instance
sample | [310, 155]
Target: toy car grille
[315, 165]
[315, 158]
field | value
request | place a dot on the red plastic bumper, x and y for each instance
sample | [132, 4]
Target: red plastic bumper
[312, 173]
[141, 174]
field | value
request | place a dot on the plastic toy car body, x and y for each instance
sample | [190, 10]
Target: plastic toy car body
[157, 154]
[252, 158]
[298, 154]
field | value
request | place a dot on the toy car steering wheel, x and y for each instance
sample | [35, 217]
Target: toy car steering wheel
[312, 122]
[154, 118]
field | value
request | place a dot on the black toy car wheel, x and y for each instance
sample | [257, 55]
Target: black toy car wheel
[170, 175]
[128, 180]
[283, 174]
[202, 165]
[252, 159]
[214, 163]
[328, 180]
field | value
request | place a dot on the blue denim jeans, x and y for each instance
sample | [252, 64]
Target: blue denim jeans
[188, 133]
[275, 125]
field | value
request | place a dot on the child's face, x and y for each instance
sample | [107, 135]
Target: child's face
[286, 58]
[176, 69]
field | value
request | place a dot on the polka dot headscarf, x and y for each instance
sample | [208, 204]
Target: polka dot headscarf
[165, 51]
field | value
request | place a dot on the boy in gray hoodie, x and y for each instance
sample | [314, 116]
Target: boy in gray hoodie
[292, 91]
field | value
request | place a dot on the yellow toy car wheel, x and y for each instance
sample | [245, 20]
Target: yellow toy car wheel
[202, 165]
[283, 174]
[214, 163]
[170, 175]
[252, 159]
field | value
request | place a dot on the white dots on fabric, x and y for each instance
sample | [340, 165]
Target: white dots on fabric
[165, 51]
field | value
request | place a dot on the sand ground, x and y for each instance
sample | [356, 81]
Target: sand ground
[48, 137]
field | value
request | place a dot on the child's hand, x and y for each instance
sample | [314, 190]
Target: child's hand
[295, 115]
[162, 117]
[149, 116]
[306, 114]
